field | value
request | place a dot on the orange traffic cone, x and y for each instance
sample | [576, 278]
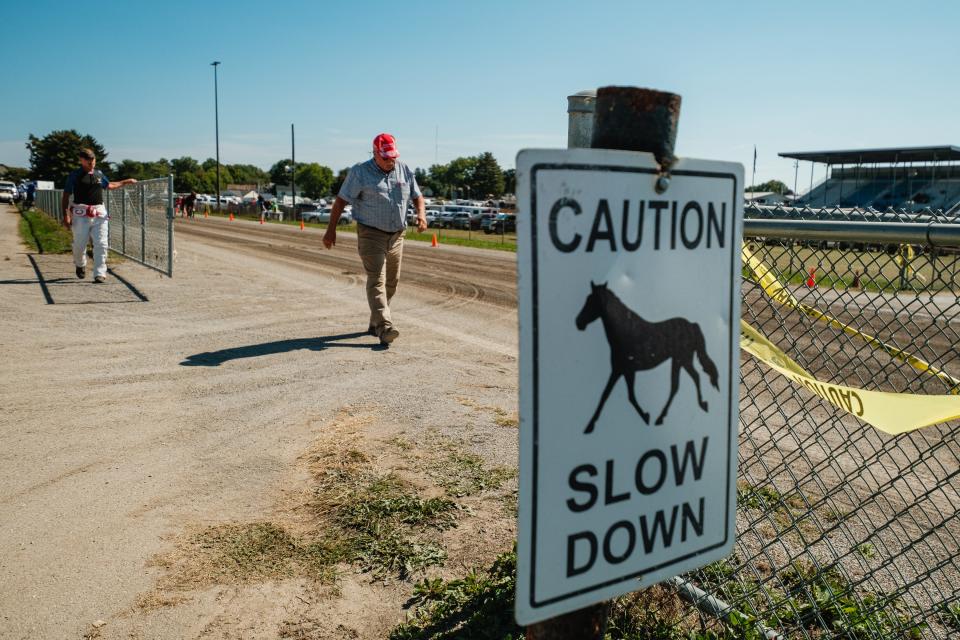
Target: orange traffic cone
[811, 281]
[231, 216]
[301, 224]
[434, 242]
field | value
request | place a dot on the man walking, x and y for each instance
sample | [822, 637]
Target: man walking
[379, 190]
[87, 216]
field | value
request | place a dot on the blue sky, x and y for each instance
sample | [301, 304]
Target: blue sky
[488, 76]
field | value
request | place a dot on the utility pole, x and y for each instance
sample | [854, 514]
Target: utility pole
[293, 172]
[216, 121]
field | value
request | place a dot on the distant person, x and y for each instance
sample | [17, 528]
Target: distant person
[31, 193]
[87, 216]
[379, 190]
[189, 203]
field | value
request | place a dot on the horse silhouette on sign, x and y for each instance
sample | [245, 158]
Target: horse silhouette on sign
[636, 345]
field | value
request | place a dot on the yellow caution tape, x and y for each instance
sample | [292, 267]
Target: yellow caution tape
[892, 413]
[776, 290]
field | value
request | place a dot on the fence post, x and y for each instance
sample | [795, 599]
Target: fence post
[123, 221]
[630, 119]
[170, 225]
[143, 223]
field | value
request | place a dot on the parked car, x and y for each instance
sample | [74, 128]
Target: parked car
[463, 220]
[323, 215]
[8, 192]
[501, 223]
[315, 215]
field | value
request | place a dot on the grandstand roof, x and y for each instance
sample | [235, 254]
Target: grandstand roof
[859, 156]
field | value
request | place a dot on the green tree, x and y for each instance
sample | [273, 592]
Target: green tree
[279, 173]
[771, 185]
[338, 181]
[54, 156]
[314, 180]
[487, 178]
[187, 174]
[425, 182]
[129, 169]
[510, 181]
[459, 174]
[249, 174]
[15, 174]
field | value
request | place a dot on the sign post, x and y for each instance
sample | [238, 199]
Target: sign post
[629, 321]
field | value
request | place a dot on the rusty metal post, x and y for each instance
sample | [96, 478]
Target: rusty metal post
[630, 119]
[635, 119]
[589, 623]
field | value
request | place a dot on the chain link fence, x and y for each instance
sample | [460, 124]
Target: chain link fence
[141, 220]
[844, 531]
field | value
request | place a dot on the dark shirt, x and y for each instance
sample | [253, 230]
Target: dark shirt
[87, 188]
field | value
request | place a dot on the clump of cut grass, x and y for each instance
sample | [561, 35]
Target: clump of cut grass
[258, 551]
[506, 419]
[379, 522]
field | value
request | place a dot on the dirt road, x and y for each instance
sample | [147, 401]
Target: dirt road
[127, 424]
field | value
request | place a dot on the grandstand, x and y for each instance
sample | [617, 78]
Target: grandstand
[907, 178]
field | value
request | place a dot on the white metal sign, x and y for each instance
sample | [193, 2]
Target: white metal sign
[629, 320]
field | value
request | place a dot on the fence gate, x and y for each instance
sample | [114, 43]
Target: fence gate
[141, 223]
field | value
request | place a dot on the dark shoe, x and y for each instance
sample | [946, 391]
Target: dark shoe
[99, 280]
[372, 330]
[81, 272]
[388, 336]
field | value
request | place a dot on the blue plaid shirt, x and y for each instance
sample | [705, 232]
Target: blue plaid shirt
[380, 198]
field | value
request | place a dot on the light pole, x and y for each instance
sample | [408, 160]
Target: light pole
[216, 121]
[293, 172]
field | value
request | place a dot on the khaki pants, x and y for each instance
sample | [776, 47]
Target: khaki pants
[381, 253]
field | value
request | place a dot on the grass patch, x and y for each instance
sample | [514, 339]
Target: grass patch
[464, 474]
[950, 615]
[480, 606]
[258, 551]
[44, 234]
[447, 236]
[836, 606]
[379, 523]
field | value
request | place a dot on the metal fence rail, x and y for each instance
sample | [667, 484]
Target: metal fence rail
[141, 220]
[844, 531]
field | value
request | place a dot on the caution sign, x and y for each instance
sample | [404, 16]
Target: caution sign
[629, 329]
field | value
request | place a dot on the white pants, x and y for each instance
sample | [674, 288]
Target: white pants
[96, 230]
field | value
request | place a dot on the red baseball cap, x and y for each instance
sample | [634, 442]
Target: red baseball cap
[386, 145]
